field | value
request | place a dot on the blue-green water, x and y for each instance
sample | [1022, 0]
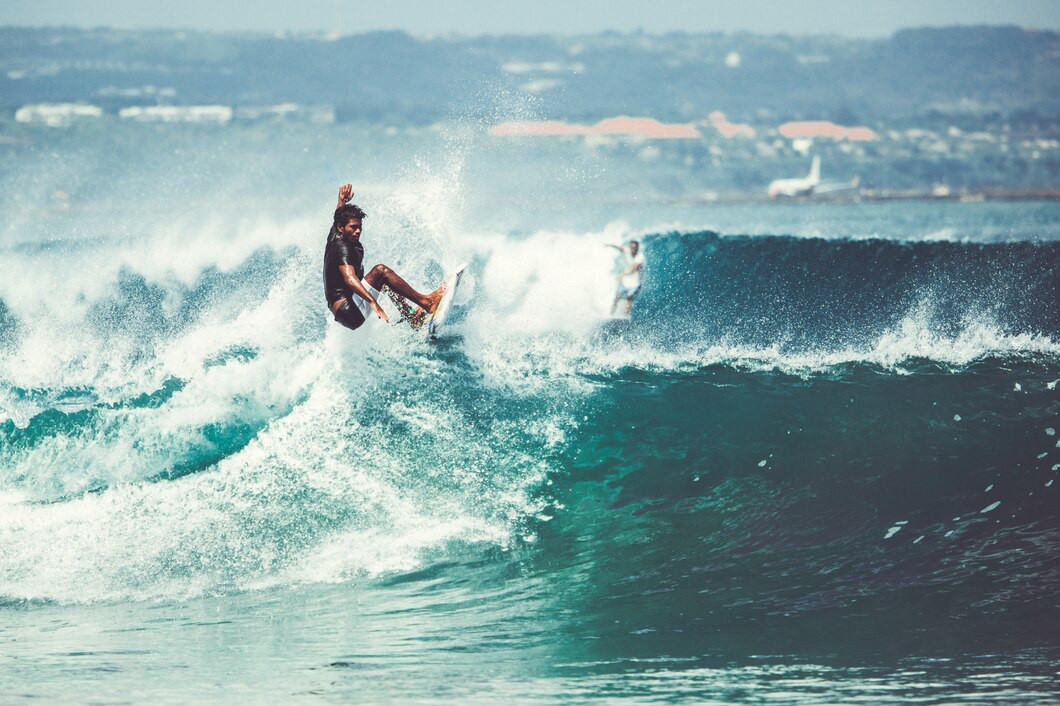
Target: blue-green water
[817, 466]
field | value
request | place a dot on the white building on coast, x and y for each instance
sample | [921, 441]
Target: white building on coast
[57, 114]
[219, 114]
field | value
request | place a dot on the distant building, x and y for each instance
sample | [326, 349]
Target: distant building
[825, 129]
[622, 126]
[259, 112]
[286, 111]
[178, 114]
[57, 114]
[141, 92]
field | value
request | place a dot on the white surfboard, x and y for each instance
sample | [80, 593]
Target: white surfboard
[436, 321]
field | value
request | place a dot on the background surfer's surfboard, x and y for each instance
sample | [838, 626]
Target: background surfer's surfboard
[437, 320]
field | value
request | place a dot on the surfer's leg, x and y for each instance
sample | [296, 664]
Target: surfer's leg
[381, 274]
[627, 294]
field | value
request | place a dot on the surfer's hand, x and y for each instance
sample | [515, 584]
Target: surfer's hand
[345, 194]
[379, 310]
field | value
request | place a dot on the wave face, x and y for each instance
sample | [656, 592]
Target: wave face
[860, 504]
[802, 446]
[223, 427]
[775, 302]
[826, 295]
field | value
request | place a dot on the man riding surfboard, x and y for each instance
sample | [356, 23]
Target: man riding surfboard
[350, 292]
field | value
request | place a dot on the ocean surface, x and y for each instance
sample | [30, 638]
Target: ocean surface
[817, 466]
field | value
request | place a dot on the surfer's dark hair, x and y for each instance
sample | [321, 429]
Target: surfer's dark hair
[343, 214]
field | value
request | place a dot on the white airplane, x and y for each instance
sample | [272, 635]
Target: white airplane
[830, 187]
[798, 186]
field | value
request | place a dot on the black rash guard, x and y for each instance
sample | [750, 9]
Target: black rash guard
[337, 253]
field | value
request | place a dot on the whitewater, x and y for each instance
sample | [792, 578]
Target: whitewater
[819, 462]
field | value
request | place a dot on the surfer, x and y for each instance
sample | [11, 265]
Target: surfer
[352, 294]
[629, 280]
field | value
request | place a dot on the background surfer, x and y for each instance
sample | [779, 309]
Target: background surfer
[349, 291]
[629, 280]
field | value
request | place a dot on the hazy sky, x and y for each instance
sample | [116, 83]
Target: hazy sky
[851, 17]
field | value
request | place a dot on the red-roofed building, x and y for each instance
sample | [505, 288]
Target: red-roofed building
[621, 126]
[825, 128]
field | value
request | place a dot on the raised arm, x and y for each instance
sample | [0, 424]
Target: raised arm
[345, 195]
[350, 275]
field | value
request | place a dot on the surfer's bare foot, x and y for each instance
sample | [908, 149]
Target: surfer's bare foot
[434, 298]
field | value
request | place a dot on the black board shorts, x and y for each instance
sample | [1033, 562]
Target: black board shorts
[349, 316]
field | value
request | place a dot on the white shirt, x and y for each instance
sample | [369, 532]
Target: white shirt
[633, 279]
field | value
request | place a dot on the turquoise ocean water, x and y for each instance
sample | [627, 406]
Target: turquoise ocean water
[816, 467]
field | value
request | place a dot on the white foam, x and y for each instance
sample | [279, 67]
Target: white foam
[315, 497]
[321, 493]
